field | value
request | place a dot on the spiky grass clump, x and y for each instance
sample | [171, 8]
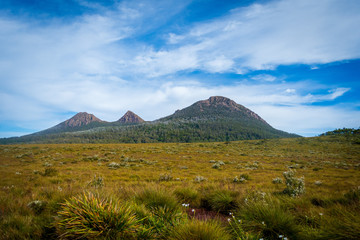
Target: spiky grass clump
[92, 217]
[341, 224]
[199, 230]
[159, 211]
[154, 198]
[222, 201]
[269, 219]
[187, 195]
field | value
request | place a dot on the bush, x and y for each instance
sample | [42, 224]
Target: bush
[294, 186]
[199, 179]
[199, 230]
[90, 216]
[165, 177]
[97, 182]
[114, 165]
[277, 180]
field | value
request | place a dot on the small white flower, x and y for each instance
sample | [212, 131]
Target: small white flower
[193, 210]
[285, 238]
[230, 214]
[229, 219]
[281, 236]
[263, 223]
[321, 214]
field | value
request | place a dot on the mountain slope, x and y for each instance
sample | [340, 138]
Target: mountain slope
[215, 119]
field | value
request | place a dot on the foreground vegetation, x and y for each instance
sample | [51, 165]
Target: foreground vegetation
[300, 188]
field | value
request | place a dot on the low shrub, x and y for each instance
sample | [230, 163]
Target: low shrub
[277, 180]
[165, 177]
[199, 179]
[96, 182]
[294, 186]
[114, 165]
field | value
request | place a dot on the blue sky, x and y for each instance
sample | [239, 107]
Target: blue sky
[294, 62]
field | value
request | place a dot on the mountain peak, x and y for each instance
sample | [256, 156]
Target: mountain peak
[130, 117]
[216, 107]
[216, 101]
[81, 119]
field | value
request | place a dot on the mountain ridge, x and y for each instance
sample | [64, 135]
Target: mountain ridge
[214, 119]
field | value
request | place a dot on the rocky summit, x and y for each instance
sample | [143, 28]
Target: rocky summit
[81, 119]
[130, 117]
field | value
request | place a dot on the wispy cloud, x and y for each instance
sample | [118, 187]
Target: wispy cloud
[265, 36]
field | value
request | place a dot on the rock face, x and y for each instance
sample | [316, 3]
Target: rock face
[217, 101]
[81, 119]
[130, 117]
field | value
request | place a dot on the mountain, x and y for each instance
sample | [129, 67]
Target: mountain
[215, 107]
[80, 121]
[214, 119]
[130, 117]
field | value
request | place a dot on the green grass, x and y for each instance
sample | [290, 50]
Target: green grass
[41, 183]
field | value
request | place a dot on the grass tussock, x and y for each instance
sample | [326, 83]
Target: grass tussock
[269, 219]
[200, 230]
[341, 224]
[90, 216]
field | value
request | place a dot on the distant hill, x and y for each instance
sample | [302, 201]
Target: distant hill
[215, 119]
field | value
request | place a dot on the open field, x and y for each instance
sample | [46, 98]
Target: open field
[215, 179]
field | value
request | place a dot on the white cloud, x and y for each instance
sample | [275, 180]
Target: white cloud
[219, 64]
[264, 77]
[277, 33]
[290, 90]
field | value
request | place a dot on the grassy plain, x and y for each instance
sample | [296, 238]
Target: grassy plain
[39, 181]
